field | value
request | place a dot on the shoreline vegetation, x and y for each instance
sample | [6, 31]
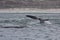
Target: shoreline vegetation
[40, 4]
[22, 6]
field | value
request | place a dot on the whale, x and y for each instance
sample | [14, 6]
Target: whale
[40, 19]
[30, 16]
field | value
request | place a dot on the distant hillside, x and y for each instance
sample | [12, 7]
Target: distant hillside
[43, 4]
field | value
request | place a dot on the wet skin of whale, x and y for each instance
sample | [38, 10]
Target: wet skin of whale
[40, 19]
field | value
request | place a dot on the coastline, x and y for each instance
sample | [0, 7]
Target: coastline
[29, 10]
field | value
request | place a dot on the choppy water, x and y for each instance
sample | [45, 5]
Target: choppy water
[21, 19]
[33, 29]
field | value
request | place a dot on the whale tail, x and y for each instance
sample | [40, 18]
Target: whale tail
[40, 19]
[30, 16]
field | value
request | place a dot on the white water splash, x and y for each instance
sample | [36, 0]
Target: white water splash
[48, 22]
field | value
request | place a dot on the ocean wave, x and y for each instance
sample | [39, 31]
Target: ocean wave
[14, 22]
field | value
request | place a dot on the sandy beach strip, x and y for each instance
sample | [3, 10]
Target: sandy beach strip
[29, 10]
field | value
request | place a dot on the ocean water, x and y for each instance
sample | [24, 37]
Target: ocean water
[24, 28]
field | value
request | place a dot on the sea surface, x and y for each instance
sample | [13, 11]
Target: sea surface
[20, 27]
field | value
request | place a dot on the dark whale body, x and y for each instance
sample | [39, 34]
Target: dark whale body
[30, 16]
[40, 19]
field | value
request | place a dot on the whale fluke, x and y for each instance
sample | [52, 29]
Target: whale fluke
[30, 16]
[40, 19]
